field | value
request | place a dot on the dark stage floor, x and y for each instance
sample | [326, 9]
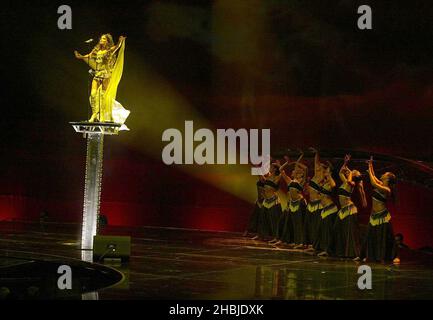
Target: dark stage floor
[187, 264]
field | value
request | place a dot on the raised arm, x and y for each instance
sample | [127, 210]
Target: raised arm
[349, 179]
[118, 45]
[274, 177]
[318, 172]
[300, 157]
[344, 169]
[81, 57]
[285, 164]
[86, 58]
[341, 173]
[373, 177]
[299, 165]
[286, 178]
[376, 183]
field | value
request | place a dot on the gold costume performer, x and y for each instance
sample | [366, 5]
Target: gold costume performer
[106, 61]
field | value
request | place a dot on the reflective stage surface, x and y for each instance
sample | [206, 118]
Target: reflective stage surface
[187, 264]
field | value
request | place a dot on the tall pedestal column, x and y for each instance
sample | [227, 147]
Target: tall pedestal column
[92, 188]
[94, 132]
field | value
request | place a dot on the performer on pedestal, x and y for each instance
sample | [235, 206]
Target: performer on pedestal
[106, 61]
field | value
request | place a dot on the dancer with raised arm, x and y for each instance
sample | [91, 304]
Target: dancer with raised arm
[325, 233]
[293, 222]
[106, 60]
[380, 242]
[312, 215]
[271, 208]
[347, 238]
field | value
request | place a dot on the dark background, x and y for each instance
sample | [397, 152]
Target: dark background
[300, 68]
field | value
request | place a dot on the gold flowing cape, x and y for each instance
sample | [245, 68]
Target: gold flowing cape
[116, 75]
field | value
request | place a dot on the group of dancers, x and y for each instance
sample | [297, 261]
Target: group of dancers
[313, 221]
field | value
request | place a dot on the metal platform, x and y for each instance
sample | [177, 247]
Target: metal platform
[106, 128]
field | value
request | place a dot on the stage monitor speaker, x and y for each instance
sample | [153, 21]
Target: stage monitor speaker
[111, 247]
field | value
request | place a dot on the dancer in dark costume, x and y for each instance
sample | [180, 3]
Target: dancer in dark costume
[312, 215]
[325, 233]
[293, 223]
[380, 242]
[270, 213]
[253, 223]
[347, 240]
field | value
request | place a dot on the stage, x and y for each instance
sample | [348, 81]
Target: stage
[169, 263]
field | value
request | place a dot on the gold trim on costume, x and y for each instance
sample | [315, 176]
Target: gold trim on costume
[269, 203]
[294, 205]
[331, 209]
[313, 206]
[347, 211]
[378, 218]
